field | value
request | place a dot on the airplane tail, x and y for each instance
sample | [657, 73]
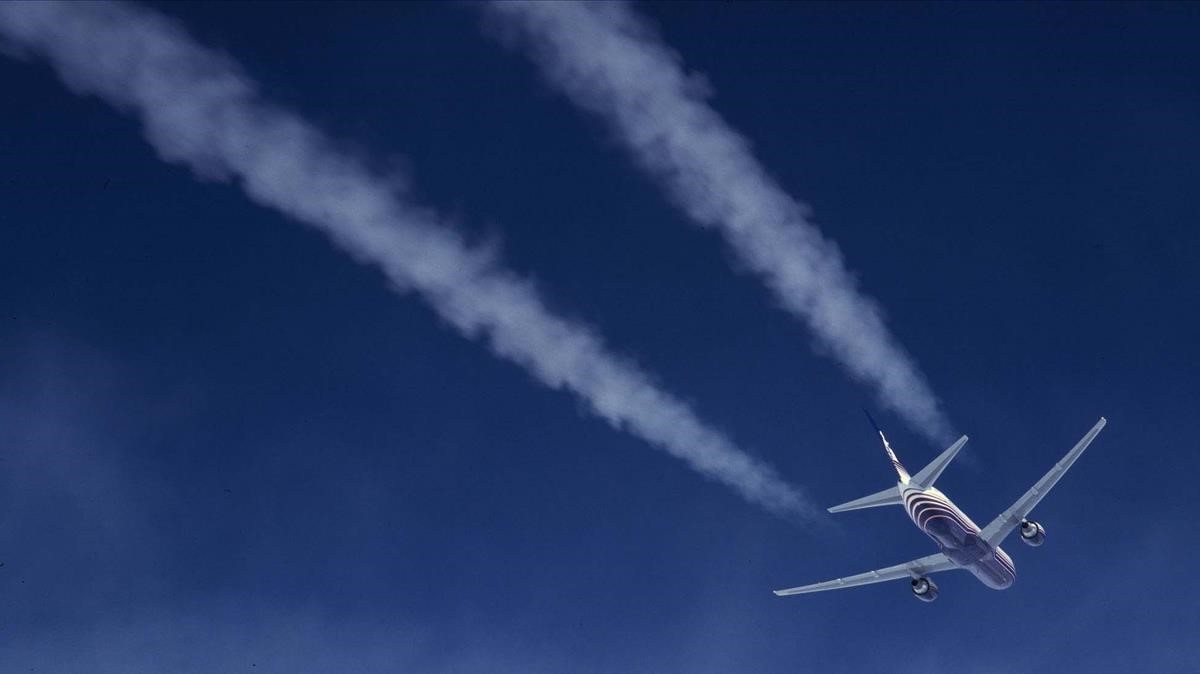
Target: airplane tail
[904, 477]
[922, 480]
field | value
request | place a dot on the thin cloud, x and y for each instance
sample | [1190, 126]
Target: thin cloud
[606, 60]
[199, 110]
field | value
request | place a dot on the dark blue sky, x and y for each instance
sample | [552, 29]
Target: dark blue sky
[227, 447]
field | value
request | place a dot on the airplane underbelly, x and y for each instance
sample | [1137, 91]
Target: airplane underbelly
[959, 543]
[958, 538]
[992, 566]
[996, 571]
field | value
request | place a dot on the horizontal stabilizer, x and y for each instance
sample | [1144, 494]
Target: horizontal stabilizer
[889, 496]
[929, 474]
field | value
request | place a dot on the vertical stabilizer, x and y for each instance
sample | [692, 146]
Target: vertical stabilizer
[904, 477]
[889, 496]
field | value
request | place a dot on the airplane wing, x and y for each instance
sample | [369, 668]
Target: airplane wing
[913, 569]
[1008, 520]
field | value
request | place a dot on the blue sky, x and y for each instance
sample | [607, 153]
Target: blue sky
[229, 447]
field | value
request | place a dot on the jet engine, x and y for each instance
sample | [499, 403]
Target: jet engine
[924, 589]
[1032, 533]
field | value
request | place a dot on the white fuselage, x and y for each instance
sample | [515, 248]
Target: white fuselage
[957, 536]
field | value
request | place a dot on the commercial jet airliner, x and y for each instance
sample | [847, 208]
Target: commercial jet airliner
[962, 543]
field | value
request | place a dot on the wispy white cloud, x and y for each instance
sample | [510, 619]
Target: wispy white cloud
[610, 63]
[200, 110]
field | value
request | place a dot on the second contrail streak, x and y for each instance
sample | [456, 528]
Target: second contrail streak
[608, 62]
[199, 110]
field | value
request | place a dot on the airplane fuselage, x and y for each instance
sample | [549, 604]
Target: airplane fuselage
[961, 542]
[957, 536]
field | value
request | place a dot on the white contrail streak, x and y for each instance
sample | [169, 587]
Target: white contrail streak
[199, 110]
[608, 62]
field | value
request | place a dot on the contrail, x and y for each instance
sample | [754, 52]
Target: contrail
[606, 59]
[200, 110]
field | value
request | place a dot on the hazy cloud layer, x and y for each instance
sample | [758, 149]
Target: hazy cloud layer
[607, 61]
[200, 110]
[236, 635]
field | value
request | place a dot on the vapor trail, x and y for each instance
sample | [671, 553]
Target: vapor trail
[610, 63]
[200, 110]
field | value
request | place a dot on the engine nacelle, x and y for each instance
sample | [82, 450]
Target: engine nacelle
[1032, 533]
[924, 589]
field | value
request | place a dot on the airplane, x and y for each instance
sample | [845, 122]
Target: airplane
[962, 543]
